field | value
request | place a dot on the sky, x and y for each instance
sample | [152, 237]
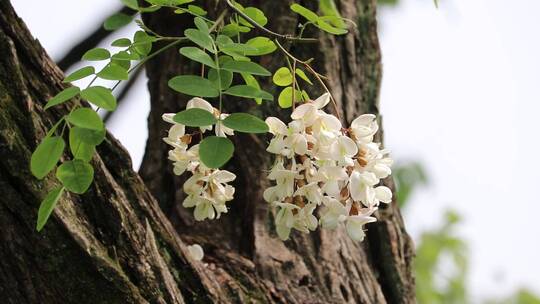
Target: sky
[459, 94]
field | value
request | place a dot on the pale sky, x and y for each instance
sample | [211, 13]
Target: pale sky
[460, 94]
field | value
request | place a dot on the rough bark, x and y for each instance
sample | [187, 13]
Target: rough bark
[115, 245]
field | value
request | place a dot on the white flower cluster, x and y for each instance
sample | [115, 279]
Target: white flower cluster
[320, 163]
[207, 189]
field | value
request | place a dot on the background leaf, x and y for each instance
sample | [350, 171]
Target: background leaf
[198, 55]
[76, 175]
[85, 118]
[215, 151]
[202, 39]
[96, 54]
[80, 74]
[282, 77]
[244, 122]
[117, 21]
[101, 97]
[225, 76]
[248, 92]
[285, 97]
[113, 72]
[63, 96]
[79, 148]
[245, 67]
[194, 86]
[46, 155]
[195, 117]
[47, 206]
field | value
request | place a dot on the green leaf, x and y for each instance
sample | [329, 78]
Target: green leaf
[198, 55]
[225, 76]
[197, 10]
[96, 54]
[46, 156]
[283, 77]
[194, 86]
[250, 80]
[123, 59]
[142, 43]
[304, 12]
[101, 97]
[285, 97]
[325, 26]
[244, 122]
[201, 25]
[85, 118]
[131, 4]
[245, 67]
[256, 15]
[117, 21]
[201, 39]
[195, 117]
[63, 96]
[79, 148]
[303, 75]
[47, 206]
[88, 136]
[328, 8]
[80, 74]
[76, 175]
[113, 72]
[121, 42]
[262, 45]
[248, 92]
[215, 151]
[233, 29]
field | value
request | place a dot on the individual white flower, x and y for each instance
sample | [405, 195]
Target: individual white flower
[182, 159]
[175, 135]
[221, 129]
[364, 127]
[284, 180]
[304, 220]
[333, 177]
[204, 209]
[196, 252]
[383, 194]
[311, 191]
[276, 126]
[343, 150]
[355, 225]
[284, 220]
[372, 159]
[326, 128]
[308, 112]
[361, 187]
[334, 213]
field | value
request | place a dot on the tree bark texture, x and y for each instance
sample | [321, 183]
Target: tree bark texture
[117, 244]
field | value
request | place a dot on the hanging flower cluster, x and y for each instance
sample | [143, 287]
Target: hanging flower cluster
[319, 163]
[207, 189]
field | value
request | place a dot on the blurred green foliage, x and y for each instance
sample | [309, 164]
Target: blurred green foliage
[441, 263]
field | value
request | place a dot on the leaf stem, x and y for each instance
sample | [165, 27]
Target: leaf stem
[312, 71]
[264, 29]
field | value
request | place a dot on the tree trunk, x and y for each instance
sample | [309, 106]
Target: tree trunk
[115, 244]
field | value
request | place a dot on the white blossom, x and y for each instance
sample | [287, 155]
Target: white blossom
[207, 190]
[196, 252]
[320, 163]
